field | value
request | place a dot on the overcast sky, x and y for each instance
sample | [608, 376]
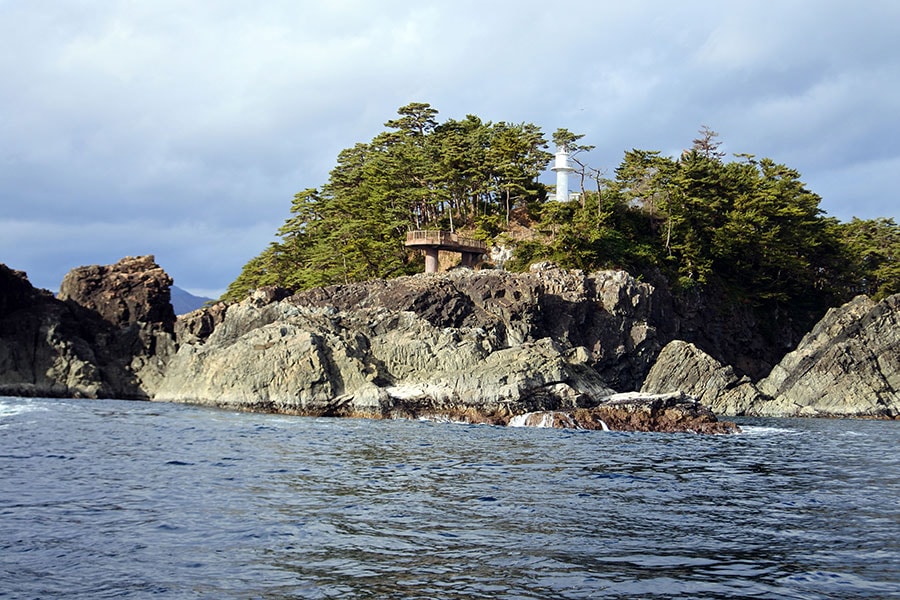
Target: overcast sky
[183, 128]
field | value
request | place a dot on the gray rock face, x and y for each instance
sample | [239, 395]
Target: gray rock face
[623, 323]
[681, 366]
[304, 356]
[492, 342]
[848, 365]
[475, 346]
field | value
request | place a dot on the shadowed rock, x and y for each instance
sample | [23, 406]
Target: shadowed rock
[108, 339]
[485, 346]
[667, 413]
[847, 366]
[134, 290]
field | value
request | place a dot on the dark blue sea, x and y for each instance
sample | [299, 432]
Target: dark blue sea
[116, 499]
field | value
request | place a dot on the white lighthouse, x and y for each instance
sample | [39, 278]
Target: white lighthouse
[562, 169]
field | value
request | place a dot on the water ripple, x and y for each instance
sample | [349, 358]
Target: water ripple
[103, 499]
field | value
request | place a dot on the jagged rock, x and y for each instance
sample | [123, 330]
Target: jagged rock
[672, 413]
[848, 365]
[17, 293]
[50, 348]
[195, 327]
[732, 332]
[370, 362]
[99, 340]
[622, 322]
[681, 366]
[476, 347]
[133, 295]
[134, 290]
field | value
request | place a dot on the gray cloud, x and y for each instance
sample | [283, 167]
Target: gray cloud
[184, 129]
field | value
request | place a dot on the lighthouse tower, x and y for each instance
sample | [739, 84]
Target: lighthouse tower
[562, 169]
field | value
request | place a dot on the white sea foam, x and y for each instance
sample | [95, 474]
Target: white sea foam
[11, 407]
[763, 430]
[519, 420]
[528, 420]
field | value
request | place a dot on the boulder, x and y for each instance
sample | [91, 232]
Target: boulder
[681, 366]
[667, 413]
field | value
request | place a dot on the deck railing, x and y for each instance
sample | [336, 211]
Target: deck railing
[434, 237]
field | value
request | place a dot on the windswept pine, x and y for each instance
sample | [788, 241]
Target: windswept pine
[747, 230]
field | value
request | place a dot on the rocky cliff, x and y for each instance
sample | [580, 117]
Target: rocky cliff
[681, 366]
[95, 342]
[847, 366]
[486, 346]
[482, 346]
[489, 341]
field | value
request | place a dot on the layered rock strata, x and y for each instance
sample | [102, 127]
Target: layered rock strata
[491, 342]
[682, 366]
[482, 346]
[847, 366]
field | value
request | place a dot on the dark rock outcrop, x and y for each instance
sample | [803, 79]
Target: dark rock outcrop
[90, 345]
[432, 338]
[623, 323]
[50, 348]
[484, 346]
[474, 347]
[132, 291]
[664, 413]
[733, 333]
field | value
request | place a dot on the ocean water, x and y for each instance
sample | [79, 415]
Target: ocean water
[115, 499]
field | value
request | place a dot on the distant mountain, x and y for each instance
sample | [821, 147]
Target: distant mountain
[184, 302]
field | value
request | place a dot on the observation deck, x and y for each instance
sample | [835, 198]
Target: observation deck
[433, 241]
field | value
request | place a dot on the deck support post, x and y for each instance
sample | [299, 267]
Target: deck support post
[431, 242]
[431, 260]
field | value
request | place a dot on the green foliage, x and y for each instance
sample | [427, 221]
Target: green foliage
[527, 253]
[419, 174]
[873, 253]
[748, 225]
[487, 227]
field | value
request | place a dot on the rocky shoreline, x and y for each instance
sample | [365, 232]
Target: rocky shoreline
[565, 348]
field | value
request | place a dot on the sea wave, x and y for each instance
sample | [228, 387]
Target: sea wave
[11, 407]
[766, 430]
